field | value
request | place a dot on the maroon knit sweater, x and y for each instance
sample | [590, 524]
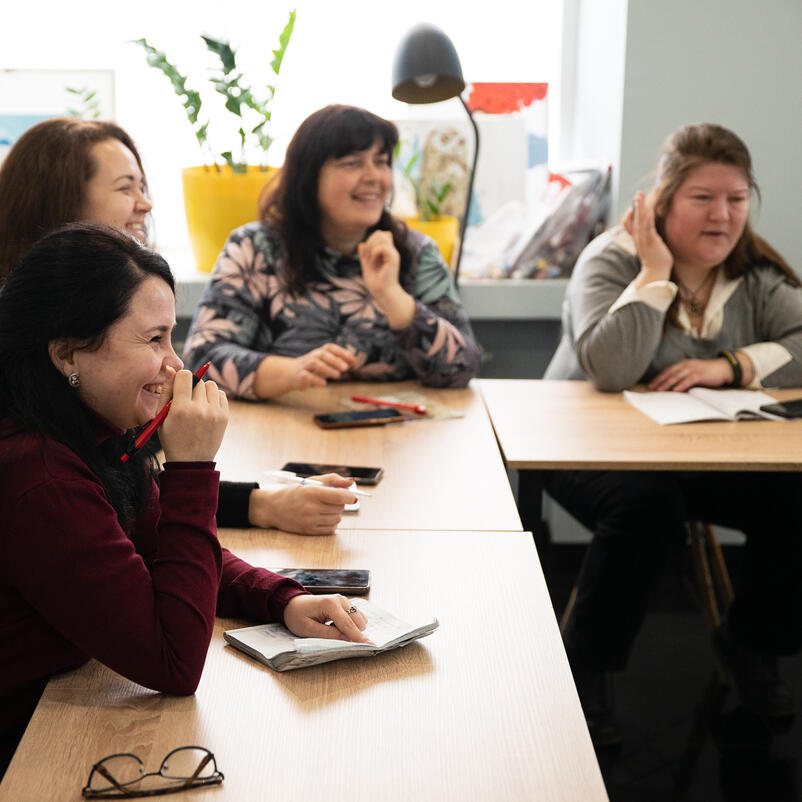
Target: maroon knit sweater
[74, 585]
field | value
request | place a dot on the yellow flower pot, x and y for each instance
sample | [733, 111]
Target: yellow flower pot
[444, 231]
[218, 202]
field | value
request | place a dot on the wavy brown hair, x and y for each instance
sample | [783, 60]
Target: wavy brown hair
[291, 204]
[43, 181]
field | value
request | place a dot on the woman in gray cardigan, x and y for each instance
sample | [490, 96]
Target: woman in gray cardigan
[684, 294]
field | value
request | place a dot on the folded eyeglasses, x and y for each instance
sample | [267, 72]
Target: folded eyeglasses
[123, 776]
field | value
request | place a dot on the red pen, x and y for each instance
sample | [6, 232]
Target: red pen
[148, 431]
[419, 408]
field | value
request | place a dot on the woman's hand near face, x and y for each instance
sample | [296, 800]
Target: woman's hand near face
[689, 373]
[195, 425]
[305, 510]
[655, 257]
[306, 616]
[282, 374]
[381, 264]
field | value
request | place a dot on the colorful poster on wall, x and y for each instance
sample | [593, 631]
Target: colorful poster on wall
[513, 154]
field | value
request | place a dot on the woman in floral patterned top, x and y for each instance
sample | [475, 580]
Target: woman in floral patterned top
[328, 285]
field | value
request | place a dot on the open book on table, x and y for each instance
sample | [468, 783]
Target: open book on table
[275, 646]
[702, 403]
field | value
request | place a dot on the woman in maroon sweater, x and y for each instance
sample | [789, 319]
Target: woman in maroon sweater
[96, 559]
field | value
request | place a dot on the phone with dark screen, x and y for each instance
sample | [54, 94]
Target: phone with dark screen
[362, 417]
[362, 475]
[785, 409]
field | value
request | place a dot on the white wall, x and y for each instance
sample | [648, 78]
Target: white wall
[733, 62]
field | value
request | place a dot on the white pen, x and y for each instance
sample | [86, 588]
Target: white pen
[290, 478]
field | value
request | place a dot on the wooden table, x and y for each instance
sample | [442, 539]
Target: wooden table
[438, 474]
[569, 425]
[483, 709]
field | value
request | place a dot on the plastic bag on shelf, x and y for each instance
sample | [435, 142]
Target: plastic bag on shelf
[580, 214]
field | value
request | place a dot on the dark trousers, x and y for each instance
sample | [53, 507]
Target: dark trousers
[638, 517]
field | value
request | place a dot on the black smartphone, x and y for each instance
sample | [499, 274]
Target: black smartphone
[785, 409]
[362, 417]
[360, 474]
[351, 582]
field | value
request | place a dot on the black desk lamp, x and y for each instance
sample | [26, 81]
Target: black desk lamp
[426, 69]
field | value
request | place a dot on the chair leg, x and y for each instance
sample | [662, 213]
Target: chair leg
[704, 577]
[713, 585]
[567, 611]
[721, 575]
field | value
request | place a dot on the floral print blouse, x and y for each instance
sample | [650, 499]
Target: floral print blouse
[246, 312]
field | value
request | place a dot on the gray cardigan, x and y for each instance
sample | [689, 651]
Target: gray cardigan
[631, 344]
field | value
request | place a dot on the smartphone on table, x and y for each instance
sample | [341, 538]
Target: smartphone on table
[348, 581]
[362, 417]
[361, 474]
[785, 409]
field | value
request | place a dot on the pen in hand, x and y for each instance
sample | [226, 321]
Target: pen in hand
[290, 478]
[148, 431]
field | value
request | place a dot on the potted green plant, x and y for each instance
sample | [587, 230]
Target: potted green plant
[222, 193]
[428, 203]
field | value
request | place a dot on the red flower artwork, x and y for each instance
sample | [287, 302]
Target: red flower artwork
[503, 98]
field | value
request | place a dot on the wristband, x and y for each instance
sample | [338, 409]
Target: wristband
[735, 364]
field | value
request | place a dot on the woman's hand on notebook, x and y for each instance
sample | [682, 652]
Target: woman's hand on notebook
[325, 617]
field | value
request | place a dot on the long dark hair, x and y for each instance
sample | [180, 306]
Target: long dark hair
[291, 204]
[43, 180]
[72, 285]
[693, 146]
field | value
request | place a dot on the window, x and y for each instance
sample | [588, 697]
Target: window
[341, 51]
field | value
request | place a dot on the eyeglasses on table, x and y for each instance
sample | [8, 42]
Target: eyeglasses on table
[123, 776]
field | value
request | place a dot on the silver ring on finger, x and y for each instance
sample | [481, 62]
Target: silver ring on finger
[351, 610]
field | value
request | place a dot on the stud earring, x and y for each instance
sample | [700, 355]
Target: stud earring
[74, 380]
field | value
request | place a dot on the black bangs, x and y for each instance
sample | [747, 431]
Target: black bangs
[353, 130]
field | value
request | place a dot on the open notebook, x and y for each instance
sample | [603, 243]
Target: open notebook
[275, 646]
[702, 403]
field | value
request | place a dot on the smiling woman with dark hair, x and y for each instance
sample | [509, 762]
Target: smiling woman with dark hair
[329, 285]
[98, 557]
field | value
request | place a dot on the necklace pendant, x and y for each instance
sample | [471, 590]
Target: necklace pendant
[695, 308]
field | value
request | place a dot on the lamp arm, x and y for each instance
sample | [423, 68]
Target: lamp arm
[464, 222]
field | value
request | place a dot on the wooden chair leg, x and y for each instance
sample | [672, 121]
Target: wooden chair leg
[713, 583]
[721, 575]
[704, 577]
[567, 611]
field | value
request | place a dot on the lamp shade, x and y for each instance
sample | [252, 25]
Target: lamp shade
[426, 68]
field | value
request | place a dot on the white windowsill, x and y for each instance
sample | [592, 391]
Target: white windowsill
[484, 299]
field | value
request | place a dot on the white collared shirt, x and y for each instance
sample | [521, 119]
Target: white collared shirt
[766, 357]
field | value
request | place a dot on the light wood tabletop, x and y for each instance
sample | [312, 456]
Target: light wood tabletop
[483, 709]
[570, 425]
[438, 474]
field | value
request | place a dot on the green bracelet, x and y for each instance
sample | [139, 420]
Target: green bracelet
[735, 364]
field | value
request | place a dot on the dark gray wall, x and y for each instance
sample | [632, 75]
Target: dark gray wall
[516, 349]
